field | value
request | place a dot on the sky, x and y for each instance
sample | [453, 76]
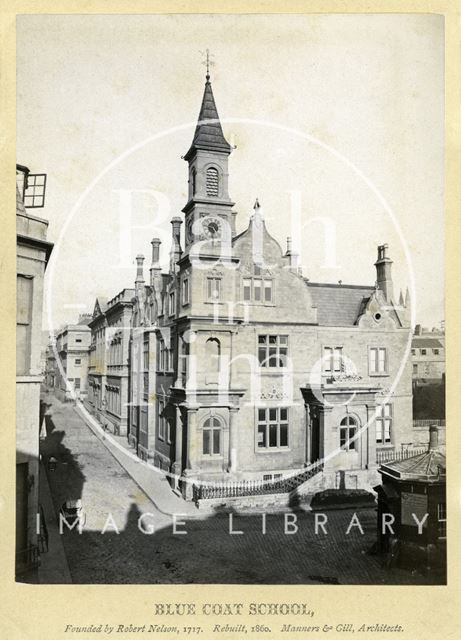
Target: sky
[337, 122]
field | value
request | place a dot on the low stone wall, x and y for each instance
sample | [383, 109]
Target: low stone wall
[246, 503]
[421, 435]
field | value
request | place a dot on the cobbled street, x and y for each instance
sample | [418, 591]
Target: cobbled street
[208, 553]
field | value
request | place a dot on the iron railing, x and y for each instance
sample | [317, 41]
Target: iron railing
[241, 488]
[392, 456]
[428, 423]
[42, 538]
[27, 558]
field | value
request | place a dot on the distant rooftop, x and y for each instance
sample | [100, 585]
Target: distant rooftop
[427, 342]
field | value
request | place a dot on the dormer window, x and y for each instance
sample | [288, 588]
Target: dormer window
[212, 182]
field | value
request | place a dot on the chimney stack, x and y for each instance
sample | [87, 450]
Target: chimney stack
[139, 268]
[293, 258]
[433, 437]
[155, 266]
[176, 251]
[139, 282]
[383, 272]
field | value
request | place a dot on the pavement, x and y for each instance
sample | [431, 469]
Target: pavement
[150, 479]
[53, 567]
[129, 536]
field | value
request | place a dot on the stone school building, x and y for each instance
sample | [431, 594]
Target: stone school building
[242, 369]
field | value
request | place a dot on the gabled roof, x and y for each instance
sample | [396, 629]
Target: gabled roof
[338, 305]
[100, 306]
[208, 133]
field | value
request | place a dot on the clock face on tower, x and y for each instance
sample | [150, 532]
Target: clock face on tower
[211, 227]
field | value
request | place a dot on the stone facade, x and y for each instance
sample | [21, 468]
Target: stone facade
[70, 379]
[241, 368]
[428, 356]
[33, 252]
[109, 361]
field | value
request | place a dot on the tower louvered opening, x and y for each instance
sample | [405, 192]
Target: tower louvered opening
[212, 182]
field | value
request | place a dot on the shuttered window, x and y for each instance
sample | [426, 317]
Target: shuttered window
[23, 324]
[212, 182]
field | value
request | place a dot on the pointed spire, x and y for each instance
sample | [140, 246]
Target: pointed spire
[407, 298]
[208, 133]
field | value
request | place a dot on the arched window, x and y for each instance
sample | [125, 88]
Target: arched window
[213, 350]
[212, 182]
[212, 437]
[347, 433]
[194, 180]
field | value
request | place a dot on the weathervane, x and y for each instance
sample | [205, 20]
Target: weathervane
[208, 62]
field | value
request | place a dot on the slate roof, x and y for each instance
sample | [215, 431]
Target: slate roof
[429, 465]
[430, 343]
[339, 305]
[208, 135]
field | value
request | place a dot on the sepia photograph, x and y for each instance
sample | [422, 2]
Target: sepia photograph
[230, 324]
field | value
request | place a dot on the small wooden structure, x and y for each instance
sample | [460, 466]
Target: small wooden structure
[412, 509]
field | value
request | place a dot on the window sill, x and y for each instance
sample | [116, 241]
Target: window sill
[273, 449]
[29, 378]
[385, 374]
[257, 304]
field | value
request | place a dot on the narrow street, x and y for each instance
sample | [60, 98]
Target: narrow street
[208, 553]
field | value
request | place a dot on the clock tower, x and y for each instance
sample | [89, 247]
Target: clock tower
[208, 212]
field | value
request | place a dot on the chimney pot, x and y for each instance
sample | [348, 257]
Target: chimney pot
[433, 437]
